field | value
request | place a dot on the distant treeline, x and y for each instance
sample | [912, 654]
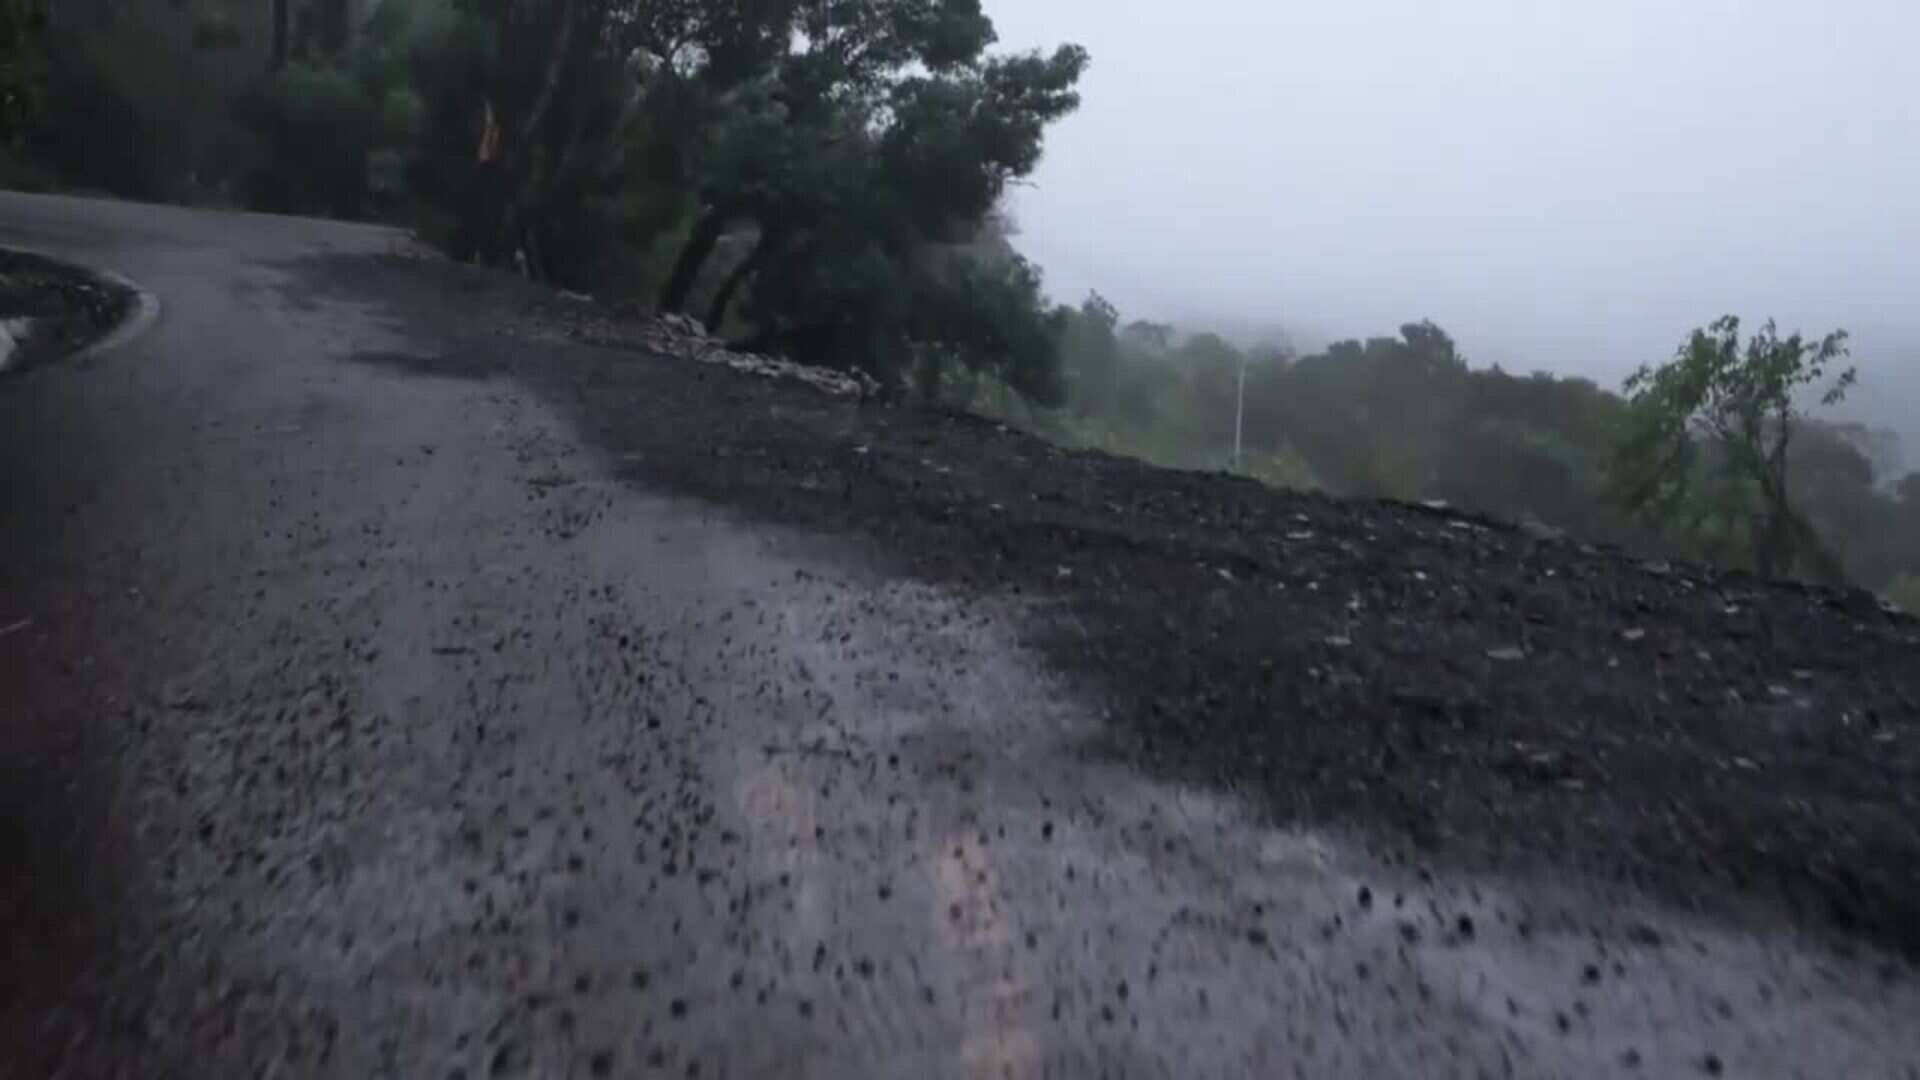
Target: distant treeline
[1406, 417]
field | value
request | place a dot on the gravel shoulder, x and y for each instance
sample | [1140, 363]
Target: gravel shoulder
[1460, 691]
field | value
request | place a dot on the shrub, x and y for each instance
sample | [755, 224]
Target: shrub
[317, 129]
[139, 104]
[1905, 593]
[96, 127]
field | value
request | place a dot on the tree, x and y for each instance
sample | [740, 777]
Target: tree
[317, 127]
[1374, 417]
[23, 27]
[281, 16]
[1211, 367]
[986, 319]
[1709, 436]
[925, 316]
[1905, 593]
[1149, 335]
[902, 86]
[1090, 354]
[797, 77]
[847, 193]
[526, 108]
[140, 93]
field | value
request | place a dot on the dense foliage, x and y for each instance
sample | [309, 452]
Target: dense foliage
[23, 23]
[1709, 434]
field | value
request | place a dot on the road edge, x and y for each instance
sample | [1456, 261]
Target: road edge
[146, 312]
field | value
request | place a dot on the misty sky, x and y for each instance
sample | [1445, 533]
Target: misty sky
[1563, 185]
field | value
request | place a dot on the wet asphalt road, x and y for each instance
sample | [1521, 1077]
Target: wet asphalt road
[361, 723]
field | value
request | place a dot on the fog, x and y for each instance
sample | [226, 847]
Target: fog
[1568, 187]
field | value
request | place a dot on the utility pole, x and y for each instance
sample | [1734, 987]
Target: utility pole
[1239, 408]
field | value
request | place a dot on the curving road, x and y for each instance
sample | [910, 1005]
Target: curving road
[363, 723]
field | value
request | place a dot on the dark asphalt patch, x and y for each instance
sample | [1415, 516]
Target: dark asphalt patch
[430, 365]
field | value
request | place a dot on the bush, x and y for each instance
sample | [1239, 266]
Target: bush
[1280, 469]
[96, 128]
[1905, 593]
[136, 106]
[317, 129]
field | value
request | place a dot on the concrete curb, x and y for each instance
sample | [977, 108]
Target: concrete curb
[146, 312]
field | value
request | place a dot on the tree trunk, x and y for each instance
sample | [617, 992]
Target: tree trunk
[557, 64]
[1821, 559]
[523, 185]
[1771, 554]
[336, 23]
[763, 250]
[278, 59]
[722, 300]
[686, 269]
[1780, 544]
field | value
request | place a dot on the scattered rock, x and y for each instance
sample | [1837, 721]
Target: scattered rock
[13, 332]
[685, 338]
[1540, 531]
[414, 248]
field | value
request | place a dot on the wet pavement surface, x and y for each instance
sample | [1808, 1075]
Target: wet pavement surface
[392, 689]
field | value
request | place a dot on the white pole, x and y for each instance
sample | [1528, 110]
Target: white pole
[1239, 408]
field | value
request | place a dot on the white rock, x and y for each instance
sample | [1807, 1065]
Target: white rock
[13, 333]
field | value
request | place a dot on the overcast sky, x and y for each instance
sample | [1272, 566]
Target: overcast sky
[1563, 185]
